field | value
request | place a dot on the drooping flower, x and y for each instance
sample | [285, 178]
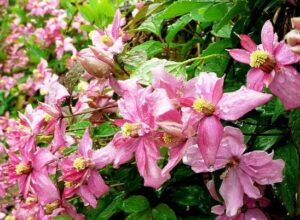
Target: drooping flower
[80, 172]
[270, 66]
[204, 104]
[242, 170]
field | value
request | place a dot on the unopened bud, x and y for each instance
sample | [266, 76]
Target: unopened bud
[293, 39]
[296, 22]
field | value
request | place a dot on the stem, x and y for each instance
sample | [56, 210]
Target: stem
[203, 58]
[117, 184]
[91, 111]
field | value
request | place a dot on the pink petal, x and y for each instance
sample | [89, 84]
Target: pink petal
[248, 185]
[232, 192]
[104, 156]
[284, 55]
[85, 144]
[146, 156]
[116, 25]
[218, 209]
[232, 143]
[163, 79]
[242, 56]
[96, 184]
[255, 79]
[253, 214]
[285, 85]
[175, 156]
[234, 105]
[267, 37]
[210, 132]
[247, 43]
[87, 196]
[42, 158]
[212, 190]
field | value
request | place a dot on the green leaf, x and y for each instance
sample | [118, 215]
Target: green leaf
[248, 128]
[151, 48]
[87, 12]
[238, 8]
[135, 204]
[224, 32]
[79, 128]
[144, 73]
[266, 142]
[112, 208]
[294, 124]
[180, 8]
[215, 12]
[279, 109]
[152, 25]
[177, 26]
[106, 129]
[286, 191]
[163, 212]
[143, 215]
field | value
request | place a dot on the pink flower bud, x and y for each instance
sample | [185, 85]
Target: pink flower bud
[93, 65]
[293, 39]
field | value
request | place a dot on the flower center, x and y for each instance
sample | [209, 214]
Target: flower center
[106, 40]
[48, 117]
[69, 184]
[167, 138]
[30, 200]
[50, 207]
[204, 106]
[130, 129]
[22, 168]
[261, 59]
[79, 163]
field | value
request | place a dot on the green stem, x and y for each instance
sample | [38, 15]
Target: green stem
[203, 58]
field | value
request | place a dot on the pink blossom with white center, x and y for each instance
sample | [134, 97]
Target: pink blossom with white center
[270, 66]
[242, 170]
[80, 172]
[204, 104]
[62, 45]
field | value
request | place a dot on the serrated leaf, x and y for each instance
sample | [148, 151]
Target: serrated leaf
[143, 215]
[112, 208]
[163, 212]
[135, 204]
[266, 142]
[152, 25]
[144, 73]
[106, 129]
[286, 191]
[79, 128]
[151, 48]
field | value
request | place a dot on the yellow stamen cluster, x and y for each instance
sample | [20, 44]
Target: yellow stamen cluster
[258, 58]
[129, 129]
[50, 207]
[106, 40]
[22, 168]
[10, 217]
[204, 106]
[69, 184]
[79, 163]
[168, 139]
[48, 117]
[30, 200]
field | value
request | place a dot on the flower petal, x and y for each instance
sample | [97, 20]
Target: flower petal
[116, 25]
[255, 213]
[96, 184]
[85, 144]
[147, 155]
[248, 185]
[285, 85]
[242, 56]
[255, 79]
[234, 105]
[87, 196]
[232, 192]
[284, 55]
[267, 36]
[210, 132]
[247, 43]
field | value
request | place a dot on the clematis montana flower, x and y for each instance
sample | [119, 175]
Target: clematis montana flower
[205, 104]
[242, 170]
[30, 171]
[270, 66]
[80, 172]
[140, 109]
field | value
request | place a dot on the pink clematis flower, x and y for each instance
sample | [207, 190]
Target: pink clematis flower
[242, 170]
[113, 38]
[80, 174]
[205, 104]
[30, 171]
[140, 110]
[270, 66]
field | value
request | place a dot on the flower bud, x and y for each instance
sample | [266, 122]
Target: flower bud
[93, 65]
[293, 39]
[102, 55]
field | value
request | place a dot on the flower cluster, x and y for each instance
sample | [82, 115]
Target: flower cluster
[48, 165]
